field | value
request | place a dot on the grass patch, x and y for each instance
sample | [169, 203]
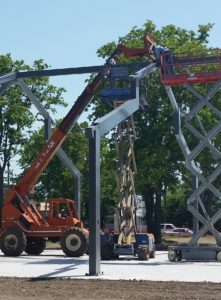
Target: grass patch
[169, 239]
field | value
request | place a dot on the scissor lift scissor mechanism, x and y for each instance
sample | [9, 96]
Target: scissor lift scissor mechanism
[124, 138]
[192, 72]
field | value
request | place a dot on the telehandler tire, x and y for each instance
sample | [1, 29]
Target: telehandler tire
[13, 242]
[35, 246]
[74, 242]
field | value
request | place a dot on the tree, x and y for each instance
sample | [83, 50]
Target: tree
[16, 115]
[159, 159]
[175, 207]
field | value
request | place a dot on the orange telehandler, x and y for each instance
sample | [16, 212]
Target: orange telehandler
[23, 228]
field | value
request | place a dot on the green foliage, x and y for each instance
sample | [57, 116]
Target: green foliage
[174, 208]
[203, 31]
[16, 115]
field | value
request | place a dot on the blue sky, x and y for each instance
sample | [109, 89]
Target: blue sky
[67, 33]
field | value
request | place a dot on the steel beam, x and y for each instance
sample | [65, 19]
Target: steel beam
[77, 70]
[116, 116]
[68, 71]
[145, 72]
[8, 77]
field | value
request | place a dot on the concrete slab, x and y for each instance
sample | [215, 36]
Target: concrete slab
[53, 263]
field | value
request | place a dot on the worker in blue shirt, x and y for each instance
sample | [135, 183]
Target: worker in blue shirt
[159, 50]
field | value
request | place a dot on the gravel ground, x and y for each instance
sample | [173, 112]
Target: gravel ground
[27, 288]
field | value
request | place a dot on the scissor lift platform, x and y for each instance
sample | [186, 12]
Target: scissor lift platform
[198, 68]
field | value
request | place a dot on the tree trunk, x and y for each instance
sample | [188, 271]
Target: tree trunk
[148, 198]
[157, 218]
[1, 193]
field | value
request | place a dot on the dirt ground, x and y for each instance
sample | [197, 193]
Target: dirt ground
[26, 288]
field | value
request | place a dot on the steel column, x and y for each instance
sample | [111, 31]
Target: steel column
[94, 200]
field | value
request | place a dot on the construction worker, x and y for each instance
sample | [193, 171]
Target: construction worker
[112, 61]
[158, 51]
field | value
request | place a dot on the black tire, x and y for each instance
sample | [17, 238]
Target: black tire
[35, 246]
[172, 255]
[107, 252]
[74, 242]
[13, 242]
[143, 253]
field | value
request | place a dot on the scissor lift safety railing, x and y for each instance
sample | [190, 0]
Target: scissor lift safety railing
[200, 67]
[207, 137]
